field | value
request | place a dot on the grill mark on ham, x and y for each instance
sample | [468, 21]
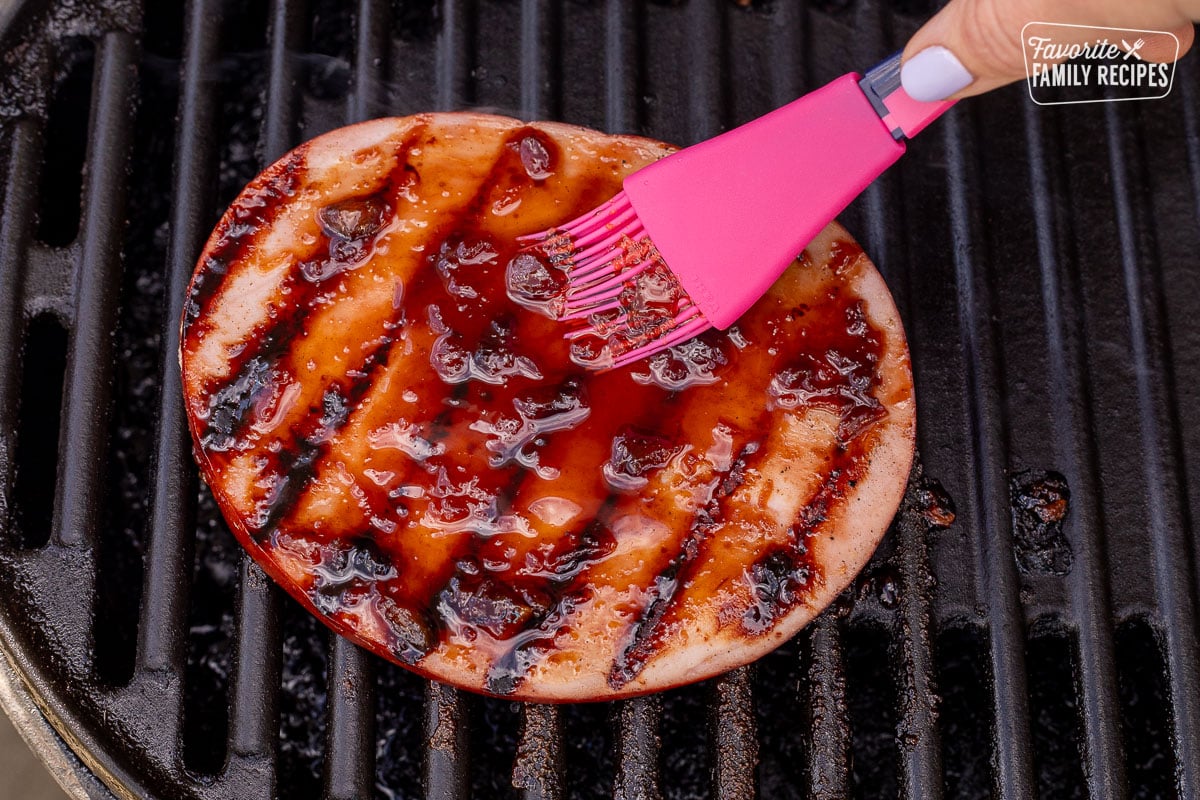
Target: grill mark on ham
[253, 212]
[338, 249]
[297, 464]
[643, 637]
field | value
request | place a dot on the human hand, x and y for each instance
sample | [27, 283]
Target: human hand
[972, 46]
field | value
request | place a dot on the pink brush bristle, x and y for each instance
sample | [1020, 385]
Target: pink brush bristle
[727, 215]
[619, 289]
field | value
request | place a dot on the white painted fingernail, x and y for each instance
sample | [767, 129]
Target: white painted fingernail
[934, 74]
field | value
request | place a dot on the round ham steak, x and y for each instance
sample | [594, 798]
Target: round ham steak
[393, 426]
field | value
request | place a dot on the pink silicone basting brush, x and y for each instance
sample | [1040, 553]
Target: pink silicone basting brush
[695, 239]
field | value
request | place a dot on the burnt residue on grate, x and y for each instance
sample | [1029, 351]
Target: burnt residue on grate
[1040, 502]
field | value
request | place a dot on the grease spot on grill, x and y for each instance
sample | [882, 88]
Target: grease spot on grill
[883, 585]
[935, 503]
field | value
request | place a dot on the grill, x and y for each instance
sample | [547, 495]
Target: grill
[1044, 643]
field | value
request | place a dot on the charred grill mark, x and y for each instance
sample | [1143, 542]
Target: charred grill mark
[297, 465]
[586, 546]
[646, 632]
[815, 378]
[251, 214]
[354, 571]
[645, 636]
[569, 586]
[562, 572]
[230, 406]
[781, 578]
[294, 471]
[351, 228]
[469, 556]
[424, 291]
[456, 581]
[786, 575]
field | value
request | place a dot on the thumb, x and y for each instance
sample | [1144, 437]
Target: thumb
[973, 46]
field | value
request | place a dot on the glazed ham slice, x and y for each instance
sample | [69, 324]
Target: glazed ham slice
[393, 425]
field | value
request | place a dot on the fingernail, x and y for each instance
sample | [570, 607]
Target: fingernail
[934, 74]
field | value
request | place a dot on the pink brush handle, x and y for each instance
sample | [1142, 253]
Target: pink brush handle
[728, 215]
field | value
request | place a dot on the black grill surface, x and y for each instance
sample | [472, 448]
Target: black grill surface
[1045, 261]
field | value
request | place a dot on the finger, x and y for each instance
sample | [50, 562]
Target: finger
[1163, 48]
[972, 46]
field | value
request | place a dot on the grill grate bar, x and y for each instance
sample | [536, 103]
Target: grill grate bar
[447, 756]
[540, 87]
[1090, 595]
[16, 224]
[787, 80]
[989, 489]
[638, 745]
[1172, 567]
[88, 384]
[285, 37]
[733, 736]
[350, 751]
[254, 690]
[828, 767]
[621, 67]
[163, 623]
[538, 768]
[707, 98]
[917, 733]
[1191, 127]
[370, 59]
[455, 45]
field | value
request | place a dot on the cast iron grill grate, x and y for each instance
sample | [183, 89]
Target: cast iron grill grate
[1043, 259]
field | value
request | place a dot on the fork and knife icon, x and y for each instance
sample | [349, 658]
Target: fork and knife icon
[1132, 49]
